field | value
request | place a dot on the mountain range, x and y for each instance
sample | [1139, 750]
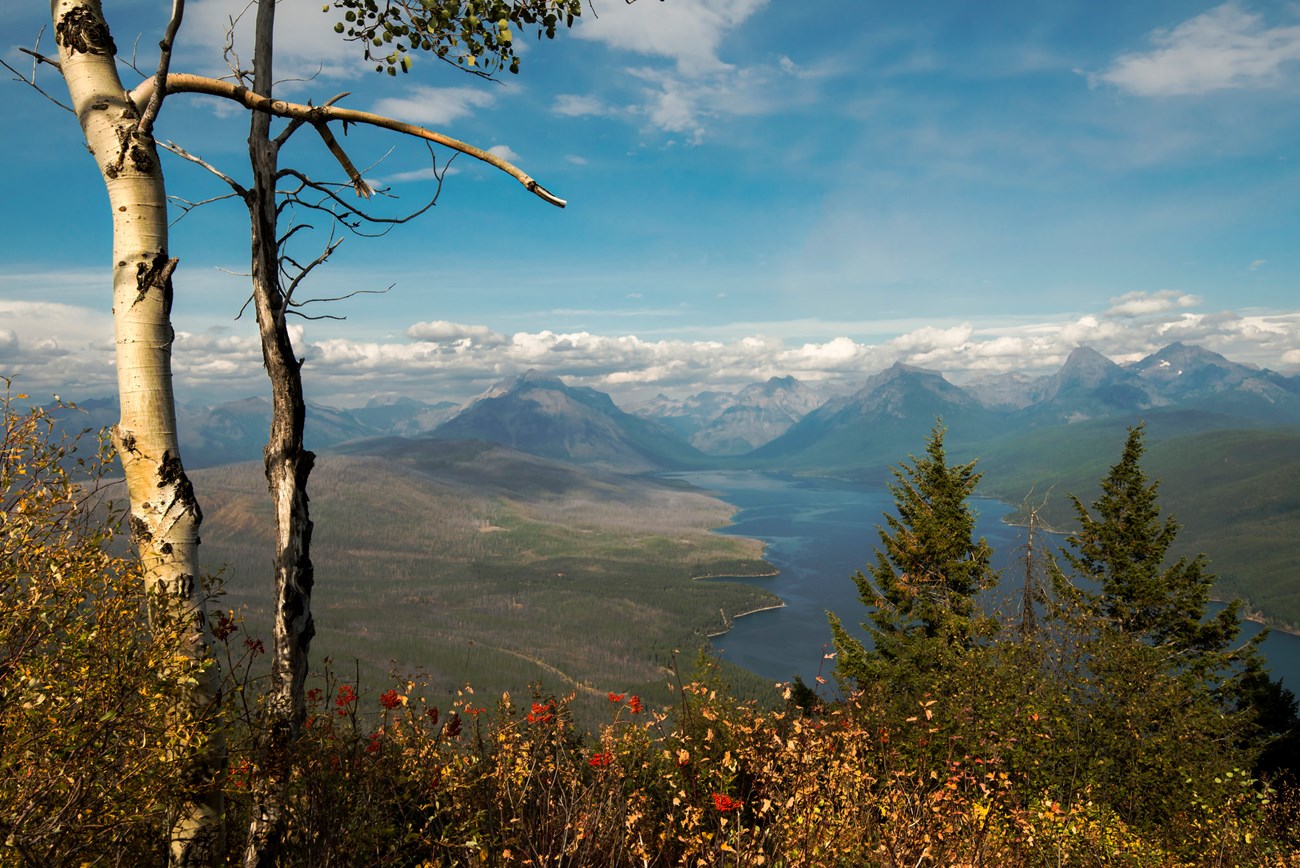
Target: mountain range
[1224, 439]
[779, 424]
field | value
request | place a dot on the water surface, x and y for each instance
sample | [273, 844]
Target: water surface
[818, 533]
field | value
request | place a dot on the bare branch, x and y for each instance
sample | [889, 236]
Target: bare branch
[135, 51]
[228, 52]
[309, 267]
[350, 208]
[282, 240]
[186, 155]
[39, 59]
[338, 298]
[387, 154]
[359, 184]
[31, 82]
[347, 296]
[145, 125]
[295, 124]
[353, 225]
[184, 83]
[317, 317]
[187, 206]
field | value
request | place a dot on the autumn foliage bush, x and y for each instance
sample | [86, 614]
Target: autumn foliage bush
[89, 733]
[987, 764]
[387, 779]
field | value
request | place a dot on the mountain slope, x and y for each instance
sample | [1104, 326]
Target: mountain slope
[542, 416]
[1236, 493]
[474, 562]
[1090, 386]
[1195, 377]
[885, 420]
[687, 415]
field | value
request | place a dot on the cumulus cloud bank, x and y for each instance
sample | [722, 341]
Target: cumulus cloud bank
[439, 359]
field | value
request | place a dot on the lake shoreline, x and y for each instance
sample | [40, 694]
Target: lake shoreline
[738, 615]
[817, 534]
[780, 604]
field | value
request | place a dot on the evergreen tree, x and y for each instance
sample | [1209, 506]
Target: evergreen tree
[928, 569]
[1161, 700]
[1121, 549]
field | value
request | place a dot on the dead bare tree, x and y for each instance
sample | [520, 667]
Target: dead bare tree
[288, 463]
[119, 128]
[1034, 561]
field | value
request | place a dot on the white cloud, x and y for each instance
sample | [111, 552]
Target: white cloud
[442, 332]
[435, 105]
[1144, 303]
[1224, 48]
[574, 106]
[506, 153]
[677, 103]
[50, 347]
[448, 360]
[928, 339]
[688, 32]
[699, 86]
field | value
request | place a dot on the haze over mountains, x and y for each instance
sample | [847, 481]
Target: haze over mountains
[721, 423]
[780, 424]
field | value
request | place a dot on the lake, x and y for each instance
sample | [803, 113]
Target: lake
[818, 533]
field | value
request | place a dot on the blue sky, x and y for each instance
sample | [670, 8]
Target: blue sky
[756, 188]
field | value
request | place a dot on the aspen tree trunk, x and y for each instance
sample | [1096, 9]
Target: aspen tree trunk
[288, 464]
[164, 513]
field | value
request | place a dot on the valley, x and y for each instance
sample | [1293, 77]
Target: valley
[527, 535]
[483, 565]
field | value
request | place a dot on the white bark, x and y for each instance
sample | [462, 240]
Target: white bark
[164, 514]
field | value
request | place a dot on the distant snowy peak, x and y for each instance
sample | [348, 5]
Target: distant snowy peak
[784, 392]
[701, 406]
[1180, 371]
[1085, 368]
[510, 386]
[1091, 386]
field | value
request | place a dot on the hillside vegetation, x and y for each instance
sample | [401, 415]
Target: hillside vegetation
[485, 565]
